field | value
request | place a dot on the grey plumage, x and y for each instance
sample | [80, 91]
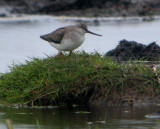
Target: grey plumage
[67, 38]
[55, 36]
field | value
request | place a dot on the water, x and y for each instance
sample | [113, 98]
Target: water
[19, 40]
[20, 36]
[67, 118]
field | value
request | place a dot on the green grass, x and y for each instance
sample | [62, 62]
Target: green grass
[84, 78]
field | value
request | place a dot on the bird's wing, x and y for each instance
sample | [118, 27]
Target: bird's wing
[55, 36]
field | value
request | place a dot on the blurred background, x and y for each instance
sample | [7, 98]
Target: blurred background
[87, 8]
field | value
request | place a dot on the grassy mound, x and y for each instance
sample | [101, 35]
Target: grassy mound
[85, 78]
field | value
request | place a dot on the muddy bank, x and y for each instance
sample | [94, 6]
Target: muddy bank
[87, 8]
[131, 50]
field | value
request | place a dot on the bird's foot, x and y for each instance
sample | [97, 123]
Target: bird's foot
[61, 55]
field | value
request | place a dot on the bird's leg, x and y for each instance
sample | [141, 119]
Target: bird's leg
[70, 54]
[61, 55]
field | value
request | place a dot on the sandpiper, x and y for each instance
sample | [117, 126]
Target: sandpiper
[67, 38]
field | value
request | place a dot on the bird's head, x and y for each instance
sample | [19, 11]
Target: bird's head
[85, 28]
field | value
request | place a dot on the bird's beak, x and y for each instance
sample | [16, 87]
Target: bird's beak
[93, 33]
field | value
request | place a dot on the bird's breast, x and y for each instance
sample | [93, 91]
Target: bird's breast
[78, 38]
[73, 42]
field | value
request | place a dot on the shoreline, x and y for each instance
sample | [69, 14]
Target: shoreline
[24, 17]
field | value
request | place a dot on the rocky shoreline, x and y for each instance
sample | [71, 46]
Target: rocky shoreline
[85, 8]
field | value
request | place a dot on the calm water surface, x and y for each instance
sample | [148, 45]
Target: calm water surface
[68, 118]
[20, 37]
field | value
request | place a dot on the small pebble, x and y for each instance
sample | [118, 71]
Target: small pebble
[102, 122]
[126, 111]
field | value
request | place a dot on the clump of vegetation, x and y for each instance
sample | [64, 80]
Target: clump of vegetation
[84, 78]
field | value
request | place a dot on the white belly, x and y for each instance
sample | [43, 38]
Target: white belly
[68, 44]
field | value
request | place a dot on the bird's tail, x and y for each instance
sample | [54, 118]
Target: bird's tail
[43, 37]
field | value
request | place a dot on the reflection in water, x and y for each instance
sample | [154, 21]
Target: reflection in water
[60, 118]
[20, 39]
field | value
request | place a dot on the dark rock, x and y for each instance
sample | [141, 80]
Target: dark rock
[3, 15]
[131, 50]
